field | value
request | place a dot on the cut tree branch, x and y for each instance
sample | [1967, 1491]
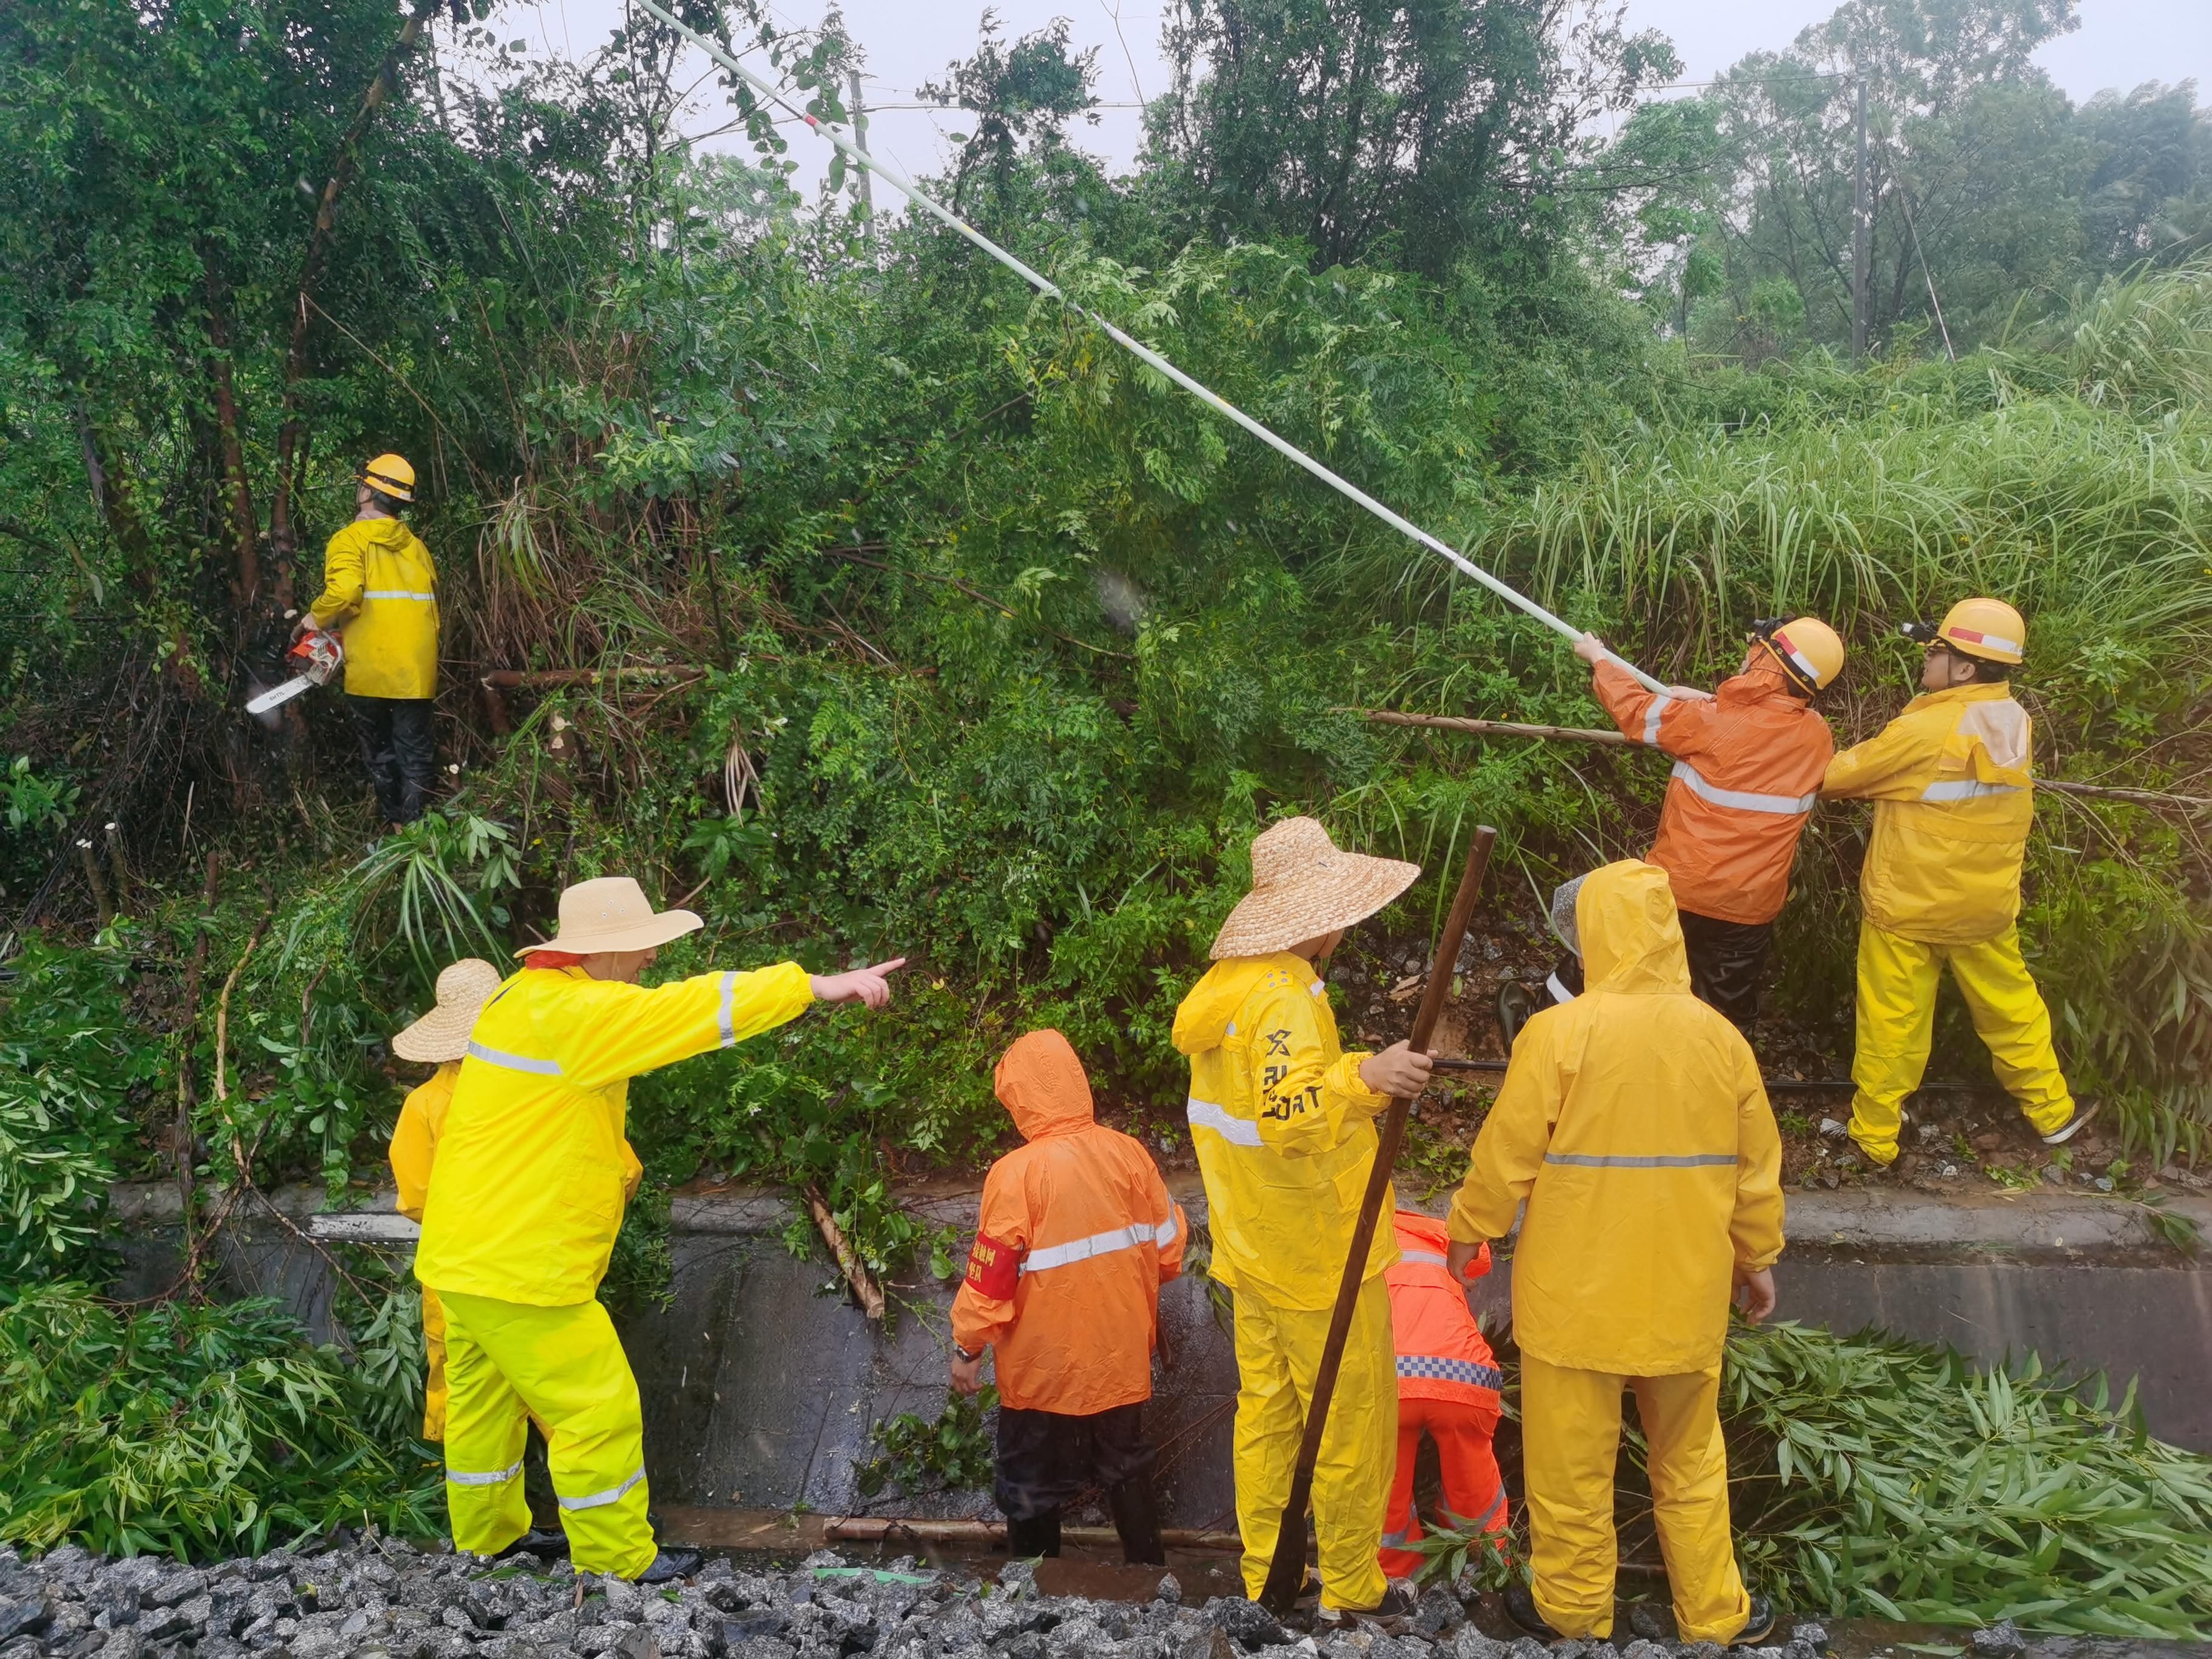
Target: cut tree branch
[865, 1290]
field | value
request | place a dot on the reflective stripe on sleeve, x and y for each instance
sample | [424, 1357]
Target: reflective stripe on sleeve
[1236, 1130]
[600, 1499]
[506, 1061]
[729, 1000]
[1743, 800]
[398, 593]
[1165, 1234]
[1559, 992]
[1663, 1161]
[1967, 789]
[461, 1478]
[1651, 718]
[1436, 1368]
[1428, 1257]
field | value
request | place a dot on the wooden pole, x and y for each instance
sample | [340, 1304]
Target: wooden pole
[2152, 798]
[1286, 1574]
[865, 1290]
[893, 1529]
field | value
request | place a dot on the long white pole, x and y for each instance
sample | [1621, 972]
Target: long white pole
[896, 177]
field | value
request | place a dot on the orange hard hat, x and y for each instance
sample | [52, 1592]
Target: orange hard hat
[1809, 650]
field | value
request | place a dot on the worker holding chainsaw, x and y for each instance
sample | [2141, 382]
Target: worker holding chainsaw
[526, 1194]
[1633, 1126]
[1952, 801]
[1076, 1235]
[1283, 1122]
[1748, 761]
[380, 595]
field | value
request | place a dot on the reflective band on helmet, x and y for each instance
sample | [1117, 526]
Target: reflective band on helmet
[1651, 714]
[1995, 642]
[1237, 1131]
[1559, 993]
[456, 1476]
[1428, 1258]
[1437, 1368]
[1781, 642]
[1967, 789]
[398, 593]
[506, 1061]
[600, 1499]
[1783, 805]
[1663, 1161]
[728, 1009]
[1106, 1243]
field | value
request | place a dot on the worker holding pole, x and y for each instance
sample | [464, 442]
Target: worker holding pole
[1633, 1126]
[1282, 1119]
[525, 1197]
[1748, 761]
[1949, 779]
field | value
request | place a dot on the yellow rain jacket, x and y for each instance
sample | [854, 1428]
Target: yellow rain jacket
[1633, 1124]
[526, 1193]
[1952, 802]
[381, 592]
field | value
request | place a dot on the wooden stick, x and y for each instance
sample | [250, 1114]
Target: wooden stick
[892, 1529]
[870, 1294]
[1286, 1574]
[516, 678]
[96, 880]
[195, 973]
[119, 865]
[2152, 798]
[222, 1002]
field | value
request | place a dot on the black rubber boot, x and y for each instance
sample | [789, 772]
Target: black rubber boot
[1757, 1628]
[1039, 1535]
[672, 1564]
[1521, 1608]
[1137, 1518]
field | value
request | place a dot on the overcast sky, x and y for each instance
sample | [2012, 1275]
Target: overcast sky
[2121, 43]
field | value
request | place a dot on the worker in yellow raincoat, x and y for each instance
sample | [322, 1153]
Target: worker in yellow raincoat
[525, 1197]
[1282, 1119]
[1633, 1125]
[1940, 886]
[380, 594]
[439, 1038]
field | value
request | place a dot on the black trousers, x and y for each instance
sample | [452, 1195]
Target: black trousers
[1047, 1459]
[398, 750]
[1725, 958]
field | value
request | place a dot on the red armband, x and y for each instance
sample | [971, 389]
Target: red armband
[994, 1267]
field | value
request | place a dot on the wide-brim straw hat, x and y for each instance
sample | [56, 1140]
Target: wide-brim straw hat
[443, 1033]
[1303, 884]
[611, 913]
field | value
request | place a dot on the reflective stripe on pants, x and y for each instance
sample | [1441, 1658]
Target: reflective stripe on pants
[1473, 1495]
[1278, 1352]
[506, 1364]
[1896, 1023]
[1570, 1441]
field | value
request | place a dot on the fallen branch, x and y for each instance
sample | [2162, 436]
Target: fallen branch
[222, 1002]
[511, 679]
[195, 972]
[2152, 798]
[865, 1288]
[885, 1529]
[852, 555]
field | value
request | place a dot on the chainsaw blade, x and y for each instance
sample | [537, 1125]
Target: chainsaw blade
[279, 694]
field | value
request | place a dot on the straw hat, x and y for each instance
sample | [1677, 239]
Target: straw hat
[1303, 886]
[611, 913]
[443, 1033]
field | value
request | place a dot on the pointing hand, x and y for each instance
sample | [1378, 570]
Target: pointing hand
[870, 985]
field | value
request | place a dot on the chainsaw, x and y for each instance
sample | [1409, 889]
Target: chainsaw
[318, 654]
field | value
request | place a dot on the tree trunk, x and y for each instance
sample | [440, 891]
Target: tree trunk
[246, 575]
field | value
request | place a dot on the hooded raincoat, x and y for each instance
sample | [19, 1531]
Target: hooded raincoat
[1633, 1126]
[414, 1146]
[1285, 1132]
[380, 592]
[1953, 803]
[1076, 1235]
[1748, 763]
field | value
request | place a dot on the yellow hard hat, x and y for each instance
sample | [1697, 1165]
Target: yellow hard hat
[1807, 648]
[1988, 629]
[389, 475]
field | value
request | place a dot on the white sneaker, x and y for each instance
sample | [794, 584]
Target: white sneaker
[2066, 1131]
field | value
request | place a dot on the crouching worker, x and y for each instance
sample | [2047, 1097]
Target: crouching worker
[1076, 1237]
[1283, 1121]
[439, 1038]
[527, 1195]
[1447, 1385]
[1633, 1125]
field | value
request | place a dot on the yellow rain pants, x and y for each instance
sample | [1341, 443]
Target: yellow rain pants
[507, 1362]
[1570, 1438]
[1897, 1017]
[1278, 1353]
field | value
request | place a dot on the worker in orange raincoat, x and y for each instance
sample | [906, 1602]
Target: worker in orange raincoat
[1447, 1384]
[1076, 1235]
[1748, 761]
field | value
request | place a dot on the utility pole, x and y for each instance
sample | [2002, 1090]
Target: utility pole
[868, 176]
[1860, 251]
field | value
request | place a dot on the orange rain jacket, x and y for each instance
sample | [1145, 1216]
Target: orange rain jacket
[1748, 763]
[1441, 1353]
[1076, 1237]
